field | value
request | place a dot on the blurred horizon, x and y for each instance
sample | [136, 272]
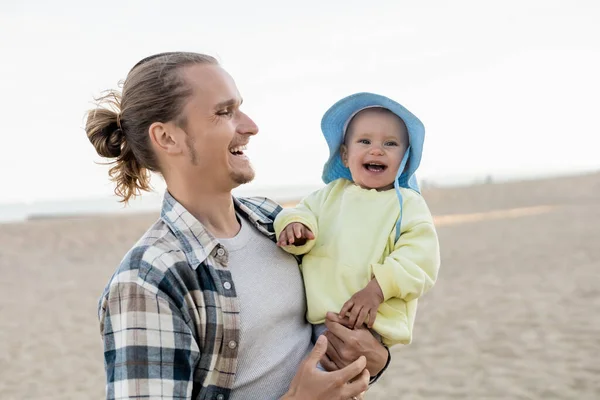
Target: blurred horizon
[283, 194]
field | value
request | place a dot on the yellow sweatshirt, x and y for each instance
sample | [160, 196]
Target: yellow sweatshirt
[355, 240]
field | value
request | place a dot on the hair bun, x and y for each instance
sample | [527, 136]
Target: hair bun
[105, 133]
[113, 140]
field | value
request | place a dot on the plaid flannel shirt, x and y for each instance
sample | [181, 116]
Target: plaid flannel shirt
[169, 316]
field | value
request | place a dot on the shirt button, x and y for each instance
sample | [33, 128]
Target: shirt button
[227, 285]
[220, 397]
[232, 344]
[220, 252]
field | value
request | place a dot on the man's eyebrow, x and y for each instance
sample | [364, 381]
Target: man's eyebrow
[229, 103]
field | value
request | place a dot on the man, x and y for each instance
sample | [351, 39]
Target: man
[205, 306]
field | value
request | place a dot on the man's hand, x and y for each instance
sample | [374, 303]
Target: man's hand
[346, 345]
[362, 306]
[295, 234]
[313, 384]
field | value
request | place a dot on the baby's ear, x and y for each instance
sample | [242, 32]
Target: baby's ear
[344, 154]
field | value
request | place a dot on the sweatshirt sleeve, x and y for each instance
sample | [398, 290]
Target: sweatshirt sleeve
[412, 267]
[307, 213]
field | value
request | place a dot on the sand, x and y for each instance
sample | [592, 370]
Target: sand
[515, 313]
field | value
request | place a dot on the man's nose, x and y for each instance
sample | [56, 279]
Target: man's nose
[247, 125]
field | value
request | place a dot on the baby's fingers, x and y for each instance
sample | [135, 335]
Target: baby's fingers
[307, 233]
[298, 231]
[362, 317]
[346, 308]
[290, 234]
[372, 316]
[282, 238]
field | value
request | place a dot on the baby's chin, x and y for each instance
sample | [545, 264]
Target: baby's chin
[379, 188]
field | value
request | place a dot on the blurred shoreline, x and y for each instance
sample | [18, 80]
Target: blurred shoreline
[284, 194]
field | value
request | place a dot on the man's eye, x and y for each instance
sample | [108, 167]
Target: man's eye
[226, 113]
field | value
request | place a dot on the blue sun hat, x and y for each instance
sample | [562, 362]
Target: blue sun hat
[334, 125]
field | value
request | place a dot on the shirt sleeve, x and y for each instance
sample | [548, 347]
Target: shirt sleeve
[149, 351]
[375, 378]
[412, 267]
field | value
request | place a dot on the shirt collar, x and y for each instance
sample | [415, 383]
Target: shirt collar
[196, 242]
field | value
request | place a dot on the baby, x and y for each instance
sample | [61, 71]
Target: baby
[369, 246]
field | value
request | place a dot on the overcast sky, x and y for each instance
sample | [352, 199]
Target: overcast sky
[503, 87]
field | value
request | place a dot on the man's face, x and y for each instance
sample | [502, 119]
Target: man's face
[216, 130]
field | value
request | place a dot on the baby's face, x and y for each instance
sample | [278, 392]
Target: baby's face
[376, 141]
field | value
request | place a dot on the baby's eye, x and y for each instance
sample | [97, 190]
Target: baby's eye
[364, 141]
[391, 144]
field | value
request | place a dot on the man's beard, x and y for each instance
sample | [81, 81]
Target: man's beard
[243, 177]
[239, 177]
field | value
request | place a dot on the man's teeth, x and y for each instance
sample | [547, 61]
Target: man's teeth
[238, 149]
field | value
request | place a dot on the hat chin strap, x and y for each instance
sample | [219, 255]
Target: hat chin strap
[397, 188]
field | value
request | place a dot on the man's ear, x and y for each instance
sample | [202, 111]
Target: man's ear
[163, 137]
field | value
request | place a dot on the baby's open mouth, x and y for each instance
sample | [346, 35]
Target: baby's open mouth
[375, 167]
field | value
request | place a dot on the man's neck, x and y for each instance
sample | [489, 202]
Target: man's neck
[214, 210]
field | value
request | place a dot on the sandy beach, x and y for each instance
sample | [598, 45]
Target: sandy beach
[515, 313]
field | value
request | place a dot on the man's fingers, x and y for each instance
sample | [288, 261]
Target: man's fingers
[333, 344]
[338, 330]
[353, 370]
[328, 364]
[333, 317]
[317, 352]
[358, 386]
[346, 307]
[333, 341]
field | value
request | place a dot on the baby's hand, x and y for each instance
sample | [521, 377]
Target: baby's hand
[295, 234]
[362, 307]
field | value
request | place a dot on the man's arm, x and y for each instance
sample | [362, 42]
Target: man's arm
[149, 351]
